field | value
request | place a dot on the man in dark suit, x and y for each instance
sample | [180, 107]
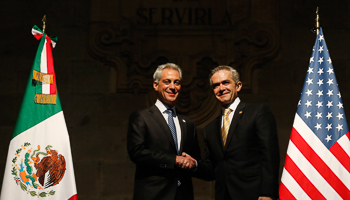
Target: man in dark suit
[156, 139]
[241, 144]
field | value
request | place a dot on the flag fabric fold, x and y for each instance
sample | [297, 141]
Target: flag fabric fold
[317, 163]
[39, 161]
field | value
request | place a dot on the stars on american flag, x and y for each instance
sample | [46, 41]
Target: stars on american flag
[320, 71]
[308, 103]
[310, 171]
[320, 105]
[320, 61]
[340, 116]
[330, 81]
[330, 70]
[329, 115]
[310, 70]
[321, 38]
[320, 49]
[330, 104]
[330, 93]
[312, 59]
[309, 92]
[319, 115]
[340, 105]
[309, 81]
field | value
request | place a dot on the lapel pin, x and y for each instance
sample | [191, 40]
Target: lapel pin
[240, 112]
[184, 121]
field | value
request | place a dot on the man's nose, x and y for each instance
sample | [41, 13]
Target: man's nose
[171, 85]
[221, 87]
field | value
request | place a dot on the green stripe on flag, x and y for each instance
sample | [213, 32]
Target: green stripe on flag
[35, 27]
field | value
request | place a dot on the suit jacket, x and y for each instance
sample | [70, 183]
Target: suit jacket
[248, 165]
[152, 148]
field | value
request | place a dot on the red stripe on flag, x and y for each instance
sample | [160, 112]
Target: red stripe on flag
[302, 180]
[285, 193]
[50, 67]
[319, 165]
[348, 135]
[74, 197]
[341, 155]
[38, 36]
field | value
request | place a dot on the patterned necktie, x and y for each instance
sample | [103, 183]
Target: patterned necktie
[172, 127]
[225, 125]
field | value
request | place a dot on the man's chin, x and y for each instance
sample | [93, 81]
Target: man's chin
[224, 101]
[170, 102]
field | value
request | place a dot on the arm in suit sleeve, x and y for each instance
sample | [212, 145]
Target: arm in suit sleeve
[139, 142]
[190, 142]
[269, 151]
[205, 168]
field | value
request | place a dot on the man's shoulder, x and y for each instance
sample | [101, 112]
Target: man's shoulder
[186, 119]
[145, 111]
[256, 106]
[213, 122]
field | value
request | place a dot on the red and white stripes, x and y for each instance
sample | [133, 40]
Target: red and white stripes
[312, 171]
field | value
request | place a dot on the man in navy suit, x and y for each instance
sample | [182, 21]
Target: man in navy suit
[241, 144]
[156, 140]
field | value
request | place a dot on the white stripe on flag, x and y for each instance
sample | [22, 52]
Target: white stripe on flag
[321, 150]
[36, 32]
[293, 186]
[311, 173]
[43, 68]
[345, 144]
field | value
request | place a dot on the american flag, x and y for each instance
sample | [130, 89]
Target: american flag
[317, 163]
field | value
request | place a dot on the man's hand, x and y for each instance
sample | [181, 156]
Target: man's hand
[265, 198]
[185, 161]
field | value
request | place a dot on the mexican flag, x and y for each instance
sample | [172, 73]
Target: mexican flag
[39, 161]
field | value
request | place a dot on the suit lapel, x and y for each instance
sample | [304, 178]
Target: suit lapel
[183, 127]
[238, 113]
[159, 118]
[217, 131]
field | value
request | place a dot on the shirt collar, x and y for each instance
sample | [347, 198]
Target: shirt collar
[162, 108]
[232, 106]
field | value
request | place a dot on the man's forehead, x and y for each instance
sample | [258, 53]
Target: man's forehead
[229, 79]
[174, 74]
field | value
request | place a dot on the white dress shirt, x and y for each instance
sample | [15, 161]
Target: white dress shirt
[233, 107]
[163, 109]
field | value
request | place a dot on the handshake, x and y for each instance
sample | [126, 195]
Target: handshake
[185, 161]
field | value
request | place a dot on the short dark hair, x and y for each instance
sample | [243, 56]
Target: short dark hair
[234, 73]
[158, 73]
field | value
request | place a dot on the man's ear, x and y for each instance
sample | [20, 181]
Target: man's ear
[239, 86]
[155, 85]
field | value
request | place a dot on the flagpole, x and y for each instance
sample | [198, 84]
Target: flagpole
[317, 20]
[44, 21]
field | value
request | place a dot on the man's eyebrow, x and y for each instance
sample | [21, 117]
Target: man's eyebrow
[223, 81]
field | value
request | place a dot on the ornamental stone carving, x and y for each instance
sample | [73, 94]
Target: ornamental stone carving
[197, 35]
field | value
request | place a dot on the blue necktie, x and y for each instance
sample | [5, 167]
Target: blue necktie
[172, 127]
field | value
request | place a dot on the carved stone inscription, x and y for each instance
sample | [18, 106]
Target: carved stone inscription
[197, 35]
[180, 16]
